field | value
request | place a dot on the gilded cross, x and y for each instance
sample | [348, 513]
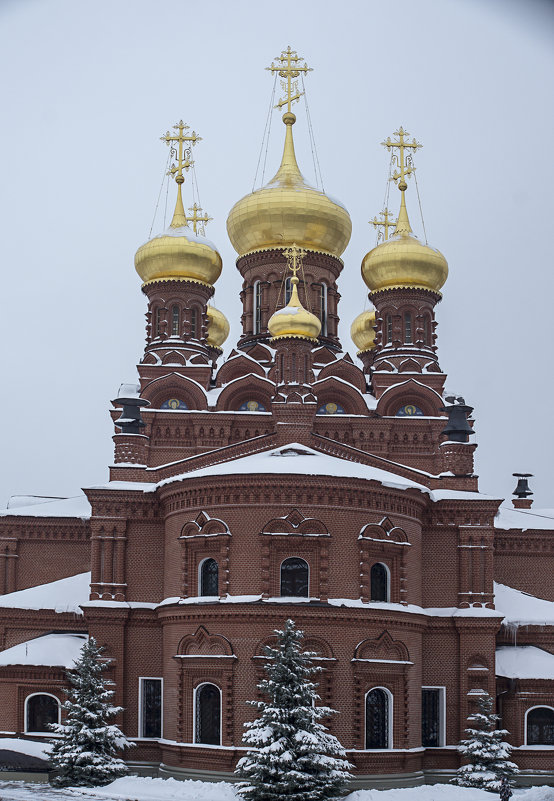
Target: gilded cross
[288, 66]
[196, 218]
[184, 161]
[402, 161]
[294, 256]
[386, 223]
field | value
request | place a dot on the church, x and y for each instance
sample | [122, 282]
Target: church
[288, 480]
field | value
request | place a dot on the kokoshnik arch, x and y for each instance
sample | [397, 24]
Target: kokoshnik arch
[288, 480]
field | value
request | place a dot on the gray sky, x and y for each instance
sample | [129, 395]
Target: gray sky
[88, 89]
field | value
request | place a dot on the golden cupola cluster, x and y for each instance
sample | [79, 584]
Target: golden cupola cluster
[293, 320]
[288, 210]
[402, 261]
[180, 253]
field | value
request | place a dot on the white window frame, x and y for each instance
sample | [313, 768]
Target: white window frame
[537, 706]
[140, 696]
[40, 733]
[442, 713]
[324, 309]
[194, 701]
[199, 579]
[294, 556]
[390, 696]
[387, 568]
[257, 307]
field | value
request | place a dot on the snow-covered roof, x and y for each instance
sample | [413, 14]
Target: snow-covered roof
[521, 609]
[524, 662]
[54, 650]
[64, 595]
[38, 506]
[508, 517]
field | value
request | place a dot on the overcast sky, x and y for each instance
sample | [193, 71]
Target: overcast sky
[88, 89]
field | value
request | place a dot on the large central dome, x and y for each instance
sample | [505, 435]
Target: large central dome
[289, 211]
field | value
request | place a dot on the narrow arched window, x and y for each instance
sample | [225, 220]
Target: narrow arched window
[388, 321]
[288, 290]
[408, 336]
[41, 710]
[322, 289]
[194, 323]
[540, 726]
[209, 577]
[427, 330]
[257, 307]
[379, 582]
[377, 719]
[158, 322]
[174, 321]
[207, 714]
[295, 578]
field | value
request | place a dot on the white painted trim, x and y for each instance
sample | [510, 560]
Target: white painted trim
[390, 745]
[199, 576]
[442, 712]
[195, 693]
[306, 597]
[40, 733]
[537, 706]
[140, 722]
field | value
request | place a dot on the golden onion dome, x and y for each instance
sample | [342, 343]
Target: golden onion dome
[178, 254]
[218, 327]
[362, 331]
[293, 320]
[287, 210]
[403, 261]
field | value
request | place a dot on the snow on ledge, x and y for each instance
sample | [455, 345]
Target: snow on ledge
[38, 506]
[524, 662]
[64, 595]
[54, 650]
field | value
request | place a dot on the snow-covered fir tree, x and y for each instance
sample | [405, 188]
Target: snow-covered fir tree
[486, 752]
[292, 754]
[85, 753]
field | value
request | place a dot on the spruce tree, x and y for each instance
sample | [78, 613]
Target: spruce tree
[292, 754]
[486, 751]
[85, 752]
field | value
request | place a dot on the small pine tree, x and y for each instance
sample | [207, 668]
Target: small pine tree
[85, 752]
[488, 755]
[293, 756]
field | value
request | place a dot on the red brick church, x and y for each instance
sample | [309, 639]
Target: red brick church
[288, 480]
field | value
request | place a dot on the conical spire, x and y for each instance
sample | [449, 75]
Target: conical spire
[403, 226]
[288, 173]
[179, 217]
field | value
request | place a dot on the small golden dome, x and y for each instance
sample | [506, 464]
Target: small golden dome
[287, 210]
[218, 327]
[403, 261]
[293, 320]
[362, 331]
[178, 254]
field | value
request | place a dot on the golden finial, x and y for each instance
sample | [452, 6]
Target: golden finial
[386, 223]
[405, 168]
[288, 66]
[184, 162]
[294, 256]
[196, 218]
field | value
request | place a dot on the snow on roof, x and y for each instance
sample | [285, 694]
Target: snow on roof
[39, 506]
[524, 662]
[521, 609]
[524, 519]
[54, 650]
[64, 595]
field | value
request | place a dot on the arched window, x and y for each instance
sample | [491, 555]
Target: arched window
[158, 322]
[288, 290]
[41, 709]
[194, 323]
[427, 330]
[388, 333]
[257, 307]
[209, 577]
[408, 336]
[379, 582]
[295, 578]
[175, 321]
[378, 719]
[540, 726]
[322, 303]
[207, 715]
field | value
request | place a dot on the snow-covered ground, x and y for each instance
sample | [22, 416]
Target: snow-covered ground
[133, 788]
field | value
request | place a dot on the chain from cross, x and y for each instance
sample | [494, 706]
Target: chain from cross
[196, 218]
[184, 161]
[386, 223]
[289, 68]
[294, 256]
[402, 161]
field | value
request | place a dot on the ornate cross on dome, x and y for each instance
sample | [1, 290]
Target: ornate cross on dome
[184, 161]
[288, 66]
[196, 218]
[402, 161]
[386, 223]
[294, 256]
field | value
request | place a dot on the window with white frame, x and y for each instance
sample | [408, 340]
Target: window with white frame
[380, 582]
[295, 578]
[150, 707]
[208, 577]
[539, 726]
[207, 714]
[433, 712]
[257, 307]
[41, 709]
[378, 719]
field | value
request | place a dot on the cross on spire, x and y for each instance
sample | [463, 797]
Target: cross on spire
[402, 161]
[386, 223]
[294, 256]
[184, 161]
[196, 218]
[288, 66]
